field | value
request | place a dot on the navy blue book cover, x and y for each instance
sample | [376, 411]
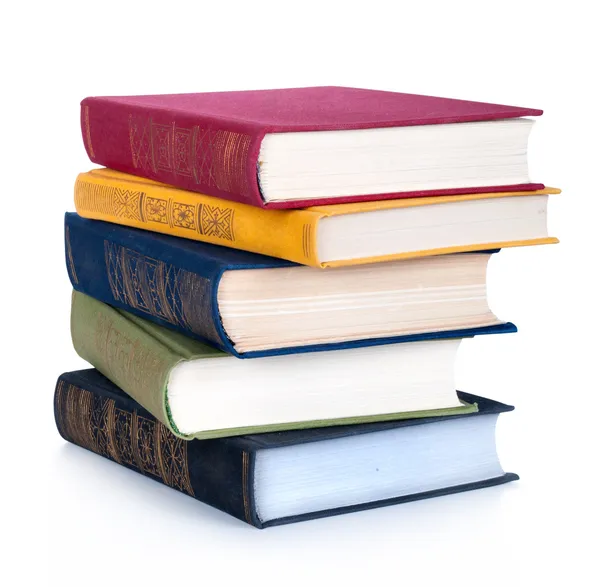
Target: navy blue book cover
[93, 413]
[174, 282]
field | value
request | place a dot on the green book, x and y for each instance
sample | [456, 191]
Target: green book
[198, 391]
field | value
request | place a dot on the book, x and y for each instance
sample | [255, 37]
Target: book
[199, 391]
[278, 478]
[251, 305]
[326, 236]
[296, 147]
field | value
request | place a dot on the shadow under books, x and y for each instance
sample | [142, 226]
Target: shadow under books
[83, 472]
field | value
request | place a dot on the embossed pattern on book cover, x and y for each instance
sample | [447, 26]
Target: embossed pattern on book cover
[94, 422]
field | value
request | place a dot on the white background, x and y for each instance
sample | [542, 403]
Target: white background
[71, 518]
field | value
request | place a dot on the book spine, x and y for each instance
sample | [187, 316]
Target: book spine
[215, 472]
[196, 153]
[145, 277]
[123, 199]
[128, 355]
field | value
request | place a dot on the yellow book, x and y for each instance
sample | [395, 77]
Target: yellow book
[321, 236]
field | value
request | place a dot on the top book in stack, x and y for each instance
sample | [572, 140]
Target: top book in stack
[294, 148]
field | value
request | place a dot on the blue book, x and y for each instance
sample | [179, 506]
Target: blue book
[250, 305]
[283, 477]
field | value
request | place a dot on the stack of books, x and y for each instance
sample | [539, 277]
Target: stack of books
[272, 287]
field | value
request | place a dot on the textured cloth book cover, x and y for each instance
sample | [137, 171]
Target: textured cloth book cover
[93, 413]
[104, 194]
[174, 282]
[139, 356]
[209, 142]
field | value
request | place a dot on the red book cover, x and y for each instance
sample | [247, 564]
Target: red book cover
[210, 142]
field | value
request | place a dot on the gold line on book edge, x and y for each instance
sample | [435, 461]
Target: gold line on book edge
[82, 413]
[134, 441]
[88, 134]
[245, 462]
[110, 428]
[89, 403]
[158, 452]
[304, 239]
[141, 201]
[232, 225]
[194, 142]
[72, 416]
[82, 421]
[170, 212]
[186, 467]
[67, 414]
[199, 217]
[172, 149]
[70, 255]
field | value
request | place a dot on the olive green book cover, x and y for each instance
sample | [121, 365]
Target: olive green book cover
[138, 356]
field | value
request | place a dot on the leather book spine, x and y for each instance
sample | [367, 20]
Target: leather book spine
[123, 352]
[215, 472]
[198, 153]
[124, 199]
[146, 277]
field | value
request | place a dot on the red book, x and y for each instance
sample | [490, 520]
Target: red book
[299, 147]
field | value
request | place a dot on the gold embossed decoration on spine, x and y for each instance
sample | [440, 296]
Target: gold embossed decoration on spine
[120, 203]
[160, 289]
[214, 158]
[94, 422]
[216, 221]
[112, 196]
[130, 205]
[307, 240]
[229, 157]
[93, 197]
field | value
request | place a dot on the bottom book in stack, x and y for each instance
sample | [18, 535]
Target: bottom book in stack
[282, 477]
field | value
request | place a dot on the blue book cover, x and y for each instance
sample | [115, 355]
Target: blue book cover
[174, 282]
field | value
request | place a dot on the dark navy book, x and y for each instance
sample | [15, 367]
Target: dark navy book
[183, 285]
[283, 477]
